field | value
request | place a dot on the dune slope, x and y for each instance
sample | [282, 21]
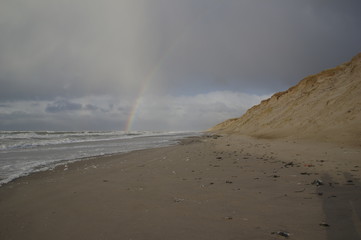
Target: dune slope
[325, 106]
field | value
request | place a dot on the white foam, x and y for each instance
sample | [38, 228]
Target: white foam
[22, 153]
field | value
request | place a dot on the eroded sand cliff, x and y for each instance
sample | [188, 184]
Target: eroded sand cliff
[325, 106]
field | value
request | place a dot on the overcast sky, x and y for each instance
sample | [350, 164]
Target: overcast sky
[161, 64]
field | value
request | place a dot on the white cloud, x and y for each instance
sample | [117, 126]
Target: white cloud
[165, 112]
[198, 112]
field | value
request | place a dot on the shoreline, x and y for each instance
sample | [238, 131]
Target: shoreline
[207, 187]
[46, 156]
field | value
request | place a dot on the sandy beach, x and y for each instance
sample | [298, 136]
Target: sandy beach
[211, 187]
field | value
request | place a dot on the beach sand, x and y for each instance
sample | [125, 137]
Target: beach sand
[211, 187]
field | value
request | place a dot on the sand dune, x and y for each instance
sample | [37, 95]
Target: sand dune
[325, 106]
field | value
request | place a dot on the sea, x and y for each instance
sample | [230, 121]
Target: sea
[25, 152]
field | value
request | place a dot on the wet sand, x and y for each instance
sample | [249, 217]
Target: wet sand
[212, 187]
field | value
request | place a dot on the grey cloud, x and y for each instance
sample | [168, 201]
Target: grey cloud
[197, 112]
[4, 105]
[80, 49]
[91, 107]
[263, 45]
[62, 105]
[67, 48]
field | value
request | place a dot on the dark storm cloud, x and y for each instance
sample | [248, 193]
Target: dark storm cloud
[86, 51]
[68, 48]
[263, 45]
[75, 48]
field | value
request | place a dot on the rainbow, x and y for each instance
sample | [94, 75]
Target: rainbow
[145, 83]
[154, 71]
[138, 100]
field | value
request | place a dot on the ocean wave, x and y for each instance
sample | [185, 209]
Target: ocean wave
[37, 151]
[14, 140]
